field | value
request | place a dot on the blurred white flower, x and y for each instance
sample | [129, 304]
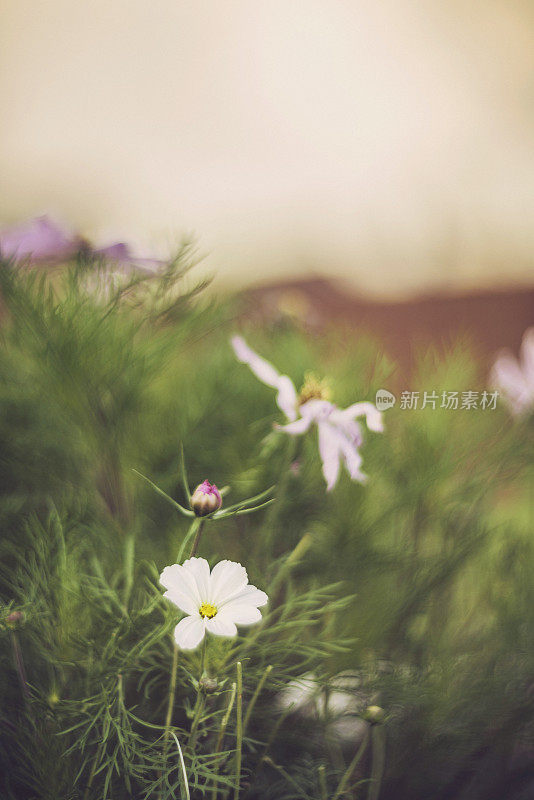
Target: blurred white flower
[214, 601]
[339, 434]
[337, 704]
[299, 693]
[515, 378]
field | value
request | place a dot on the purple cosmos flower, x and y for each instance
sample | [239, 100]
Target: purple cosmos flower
[42, 240]
[515, 378]
[121, 254]
[38, 239]
[339, 434]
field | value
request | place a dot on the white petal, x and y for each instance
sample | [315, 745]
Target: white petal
[259, 366]
[227, 579]
[189, 632]
[298, 692]
[372, 415]
[249, 595]
[221, 626]
[239, 612]
[352, 458]
[287, 399]
[317, 410]
[349, 728]
[184, 601]
[297, 427]
[507, 373]
[527, 358]
[507, 376]
[287, 395]
[329, 452]
[176, 577]
[350, 428]
[200, 570]
[353, 432]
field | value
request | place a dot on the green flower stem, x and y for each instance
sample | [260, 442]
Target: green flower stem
[378, 761]
[94, 765]
[284, 773]
[170, 703]
[259, 687]
[200, 701]
[224, 721]
[197, 713]
[222, 731]
[183, 474]
[19, 665]
[195, 528]
[294, 557]
[344, 782]
[129, 565]
[199, 523]
[171, 695]
[322, 782]
[185, 511]
[272, 516]
[182, 764]
[239, 742]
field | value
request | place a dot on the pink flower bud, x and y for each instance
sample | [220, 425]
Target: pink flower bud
[206, 499]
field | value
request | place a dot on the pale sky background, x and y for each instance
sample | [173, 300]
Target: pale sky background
[390, 143]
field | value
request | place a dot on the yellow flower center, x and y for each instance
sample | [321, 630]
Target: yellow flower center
[314, 389]
[207, 610]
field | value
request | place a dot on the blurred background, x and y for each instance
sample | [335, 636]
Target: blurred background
[388, 145]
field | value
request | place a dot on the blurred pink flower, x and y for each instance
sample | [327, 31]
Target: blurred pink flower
[339, 434]
[515, 378]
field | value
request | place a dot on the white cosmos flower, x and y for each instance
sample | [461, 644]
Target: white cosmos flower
[515, 378]
[337, 703]
[339, 434]
[214, 601]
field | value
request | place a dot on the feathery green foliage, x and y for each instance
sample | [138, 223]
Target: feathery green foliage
[416, 587]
